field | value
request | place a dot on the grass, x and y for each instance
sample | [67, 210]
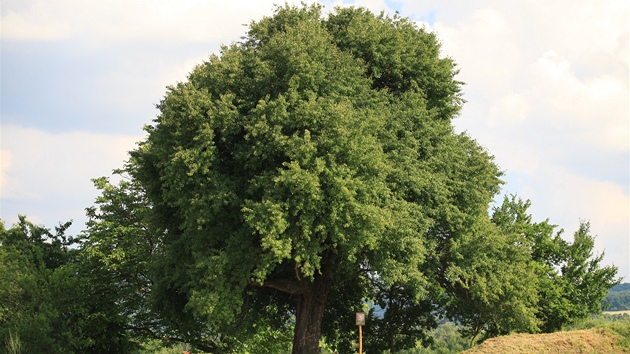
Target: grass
[13, 344]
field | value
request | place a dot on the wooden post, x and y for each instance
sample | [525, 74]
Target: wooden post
[360, 339]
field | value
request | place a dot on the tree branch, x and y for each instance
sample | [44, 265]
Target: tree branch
[286, 286]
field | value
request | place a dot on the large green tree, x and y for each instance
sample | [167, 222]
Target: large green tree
[310, 162]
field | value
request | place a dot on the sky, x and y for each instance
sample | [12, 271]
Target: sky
[547, 90]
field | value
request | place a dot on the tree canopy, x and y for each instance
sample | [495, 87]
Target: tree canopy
[315, 155]
[50, 300]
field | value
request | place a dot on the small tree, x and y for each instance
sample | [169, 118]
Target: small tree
[570, 280]
[30, 256]
[52, 299]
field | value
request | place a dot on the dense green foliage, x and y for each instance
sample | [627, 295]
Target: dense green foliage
[446, 339]
[49, 302]
[30, 261]
[569, 279]
[315, 159]
[300, 173]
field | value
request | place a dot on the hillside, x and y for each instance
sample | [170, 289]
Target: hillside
[618, 299]
[595, 340]
[621, 287]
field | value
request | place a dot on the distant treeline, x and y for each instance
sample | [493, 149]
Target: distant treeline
[618, 299]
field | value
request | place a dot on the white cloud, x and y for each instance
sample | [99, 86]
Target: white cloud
[130, 20]
[556, 68]
[511, 109]
[568, 193]
[5, 165]
[61, 164]
[566, 197]
[46, 173]
[33, 26]
[594, 110]
[483, 47]
[548, 77]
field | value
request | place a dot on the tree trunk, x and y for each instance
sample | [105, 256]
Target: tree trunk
[309, 313]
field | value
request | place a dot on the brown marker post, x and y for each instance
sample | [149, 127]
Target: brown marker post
[360, 323]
